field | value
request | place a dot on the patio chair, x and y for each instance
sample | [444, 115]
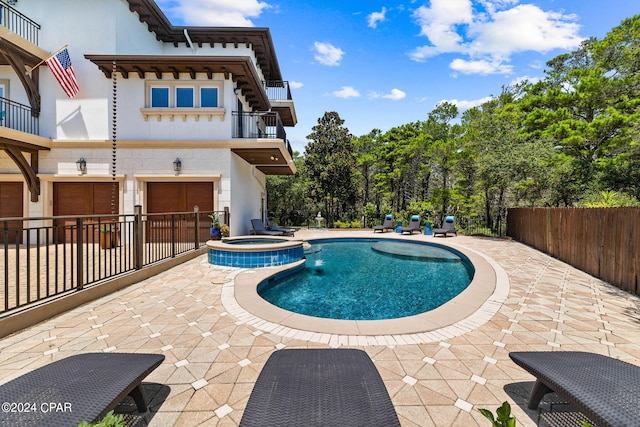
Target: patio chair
[82, 387]
[319, 387]
[448, 227]
[414, 225]
[259, 228]
[388, 224]
[275, 227]
[605, 389]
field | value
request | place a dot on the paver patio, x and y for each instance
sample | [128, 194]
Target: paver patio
[214, 355]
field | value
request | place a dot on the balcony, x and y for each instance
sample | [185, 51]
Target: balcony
[19, 24]
[279, 94]
[16, 116]
[265, 142]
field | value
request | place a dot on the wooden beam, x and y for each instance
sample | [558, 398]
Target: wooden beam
[29, 171]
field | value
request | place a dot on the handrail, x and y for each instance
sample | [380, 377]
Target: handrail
[18, 23]
[68, 253]
[258, 125]
[18, 117]
[277, 90]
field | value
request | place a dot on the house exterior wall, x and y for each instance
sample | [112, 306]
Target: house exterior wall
[146, 146]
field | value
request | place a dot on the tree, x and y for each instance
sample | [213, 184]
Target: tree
[330, 166]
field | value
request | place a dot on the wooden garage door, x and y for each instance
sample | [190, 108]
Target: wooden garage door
[11, 201]
[165, 197]
[81, 198]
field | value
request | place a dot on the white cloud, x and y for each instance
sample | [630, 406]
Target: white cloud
[467, 105]
[518, 80]
[376, 17]
[295, 85]
[222, 13]
[490, 34]
[328, 54]
[346, 92]
[482, 67]
[395, 95]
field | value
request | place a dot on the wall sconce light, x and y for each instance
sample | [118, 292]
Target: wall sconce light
[177, 165]
[81, 165]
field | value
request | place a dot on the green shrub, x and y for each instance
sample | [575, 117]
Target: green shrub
[342, 224]
[109, 420]
[503, 413]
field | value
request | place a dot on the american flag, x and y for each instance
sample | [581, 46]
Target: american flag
[60, 66]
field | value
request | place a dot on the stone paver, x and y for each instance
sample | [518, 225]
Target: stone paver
[213, 357]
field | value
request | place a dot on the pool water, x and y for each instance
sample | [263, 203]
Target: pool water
[367, 279]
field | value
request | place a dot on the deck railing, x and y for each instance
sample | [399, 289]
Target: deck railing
[66, 253]
[18, 117]
[18, 23]
[258, 125]
[278, 90]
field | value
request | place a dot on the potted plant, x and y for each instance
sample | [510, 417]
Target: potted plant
[215, 226]
[109, 237]
[224, 230]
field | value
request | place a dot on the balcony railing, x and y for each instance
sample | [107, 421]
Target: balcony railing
[18, 117]
[70, 253]
[258, 125]
[17, 23]
[278, 90]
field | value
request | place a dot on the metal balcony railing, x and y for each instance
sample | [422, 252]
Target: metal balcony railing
[18, 116]
[278, 90]
[68, 253]
[258, 125]
[19, 24]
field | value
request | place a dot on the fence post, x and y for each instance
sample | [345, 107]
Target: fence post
[137, 237]
[173, 235]
[79, 253]
[196, 214]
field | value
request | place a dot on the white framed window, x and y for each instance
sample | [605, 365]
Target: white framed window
[208, 97]
[159, 97]
[184, 97]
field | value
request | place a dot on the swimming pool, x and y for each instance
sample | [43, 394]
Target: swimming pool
[255, 251]
[370, 279]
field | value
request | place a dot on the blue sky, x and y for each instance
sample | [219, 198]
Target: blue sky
[381, 64]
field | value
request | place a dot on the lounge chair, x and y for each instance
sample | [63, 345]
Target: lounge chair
[83, 387]
[605, 389]
[319, 387]
[275, 227]
[448, 227]
[414, 225]
[259, 228]
[388, 224]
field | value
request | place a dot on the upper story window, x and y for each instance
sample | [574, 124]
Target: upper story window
[208, 97]
[195, 98]
[184, 97]
[159, 97]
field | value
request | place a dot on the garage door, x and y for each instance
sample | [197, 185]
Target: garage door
[165, 197]
[11, 201]
[81, 198]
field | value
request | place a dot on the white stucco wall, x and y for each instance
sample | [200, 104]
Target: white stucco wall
[248, 186]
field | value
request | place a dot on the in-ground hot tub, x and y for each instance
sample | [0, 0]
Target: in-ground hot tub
[255, 251]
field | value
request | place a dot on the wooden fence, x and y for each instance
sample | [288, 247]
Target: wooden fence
[604, 242]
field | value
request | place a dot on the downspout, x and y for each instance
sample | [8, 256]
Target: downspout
[191, 45]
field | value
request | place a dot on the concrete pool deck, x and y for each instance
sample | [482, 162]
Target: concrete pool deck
[213, 356]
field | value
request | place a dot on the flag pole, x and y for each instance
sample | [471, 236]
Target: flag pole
[47, 58]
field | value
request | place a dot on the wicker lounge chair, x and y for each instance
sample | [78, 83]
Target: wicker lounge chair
[83, 387]
[259, 228]
[275, 227]
[605, 389]
[448, 227]
[319, 387]
[388, 224]
[414, 225]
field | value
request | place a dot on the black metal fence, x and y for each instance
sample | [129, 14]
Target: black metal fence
[65, 253]
[19, 23]
[258, 125]
[18, 117]
[278, 90]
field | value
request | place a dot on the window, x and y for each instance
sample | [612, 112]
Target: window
[208, 97]
[159, 97]
[184, 97]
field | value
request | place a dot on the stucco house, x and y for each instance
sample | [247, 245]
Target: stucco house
[175, 116]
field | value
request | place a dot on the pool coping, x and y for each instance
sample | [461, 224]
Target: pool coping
[470, 309]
